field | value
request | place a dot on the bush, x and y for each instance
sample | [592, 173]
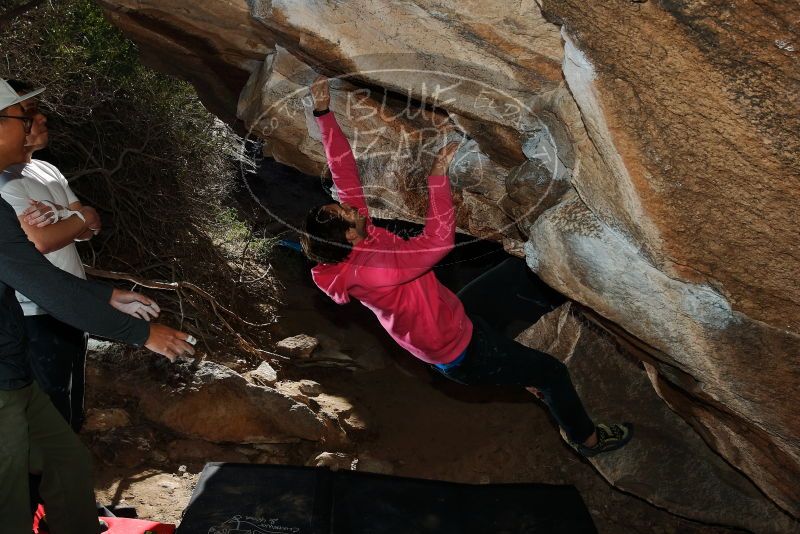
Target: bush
[140, 147]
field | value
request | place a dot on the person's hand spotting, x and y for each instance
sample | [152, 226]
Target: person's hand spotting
[134, 304]
[169, 342]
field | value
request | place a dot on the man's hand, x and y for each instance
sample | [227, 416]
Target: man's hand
[443, 158]
[40, 214]
[320, 93]
[134, 304]
[168, 342]
[92, 219]
[85, 236]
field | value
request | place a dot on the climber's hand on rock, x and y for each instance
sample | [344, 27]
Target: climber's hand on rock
[168, 342]
[320, 93]
[443, 158]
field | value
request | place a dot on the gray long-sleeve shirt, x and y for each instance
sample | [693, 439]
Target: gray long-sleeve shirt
[80, 303]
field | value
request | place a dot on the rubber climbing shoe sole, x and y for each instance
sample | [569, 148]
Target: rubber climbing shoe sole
[609, 438]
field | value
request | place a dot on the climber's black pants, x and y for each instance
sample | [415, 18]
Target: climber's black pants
[507, 293]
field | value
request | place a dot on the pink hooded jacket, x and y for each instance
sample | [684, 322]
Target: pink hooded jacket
[391, 276]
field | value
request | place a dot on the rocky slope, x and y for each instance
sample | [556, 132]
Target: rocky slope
[643, 156]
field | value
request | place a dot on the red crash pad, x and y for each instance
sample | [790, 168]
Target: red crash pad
[116, 525]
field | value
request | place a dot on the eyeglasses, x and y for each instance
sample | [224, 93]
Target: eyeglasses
[28, 121]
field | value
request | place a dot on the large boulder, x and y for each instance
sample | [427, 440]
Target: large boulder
[646, 152]
[216, 404]
[214, 45]
[695, 337]
[667, 463]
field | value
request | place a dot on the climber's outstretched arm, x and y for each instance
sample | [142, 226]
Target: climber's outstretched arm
[401, 261]
[337, 149]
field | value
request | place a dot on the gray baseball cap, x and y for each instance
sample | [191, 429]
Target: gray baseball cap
[9, 97]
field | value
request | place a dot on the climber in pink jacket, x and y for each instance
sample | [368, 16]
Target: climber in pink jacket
[394, 278]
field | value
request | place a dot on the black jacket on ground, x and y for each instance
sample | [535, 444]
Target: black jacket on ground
[80, 303]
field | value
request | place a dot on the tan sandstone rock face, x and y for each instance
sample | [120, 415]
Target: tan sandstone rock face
[213, 44]
[645, 153]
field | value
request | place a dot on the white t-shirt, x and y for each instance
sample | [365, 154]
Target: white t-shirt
[39, 180]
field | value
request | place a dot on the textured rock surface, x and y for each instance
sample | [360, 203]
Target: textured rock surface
[708, 349]
[333, 461]
[662, 136]
[300, 346]
[103, 420]
[216, 404]
[299, 390]
[202, 451]
[667, 462]
[264, 374]
[215, 45]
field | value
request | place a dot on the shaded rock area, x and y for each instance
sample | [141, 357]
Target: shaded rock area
[99, 420]
[418, 424]
[696, 337]
[646, 153]
[212, 402]
[214, 45]
[412, 422]
[667, 463]
[219, 405]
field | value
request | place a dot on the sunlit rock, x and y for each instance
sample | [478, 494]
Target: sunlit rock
[299, 346]
[669, 129]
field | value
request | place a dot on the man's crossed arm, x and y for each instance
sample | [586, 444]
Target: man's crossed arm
[52, 227]
[87, 305]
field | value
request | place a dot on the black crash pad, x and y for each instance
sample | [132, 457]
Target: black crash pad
[266, 499]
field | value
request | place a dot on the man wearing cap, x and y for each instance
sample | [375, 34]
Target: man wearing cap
[53, 219]
[28, 420]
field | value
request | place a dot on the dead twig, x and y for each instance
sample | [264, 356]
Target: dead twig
[216, 307]
[13, 13]
[171, 286]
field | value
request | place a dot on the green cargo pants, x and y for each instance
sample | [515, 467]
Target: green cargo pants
[29, 423]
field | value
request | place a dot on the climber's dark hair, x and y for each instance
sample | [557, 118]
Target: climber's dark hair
[20, 86]
[324, 236]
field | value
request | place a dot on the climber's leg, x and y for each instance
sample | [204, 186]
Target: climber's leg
[493, 359]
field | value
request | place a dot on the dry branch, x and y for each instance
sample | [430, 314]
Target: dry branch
[15, 12]
[216, 307]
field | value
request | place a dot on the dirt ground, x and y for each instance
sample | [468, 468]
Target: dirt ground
[418, 424]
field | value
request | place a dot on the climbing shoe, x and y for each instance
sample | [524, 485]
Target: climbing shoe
[609, 438]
